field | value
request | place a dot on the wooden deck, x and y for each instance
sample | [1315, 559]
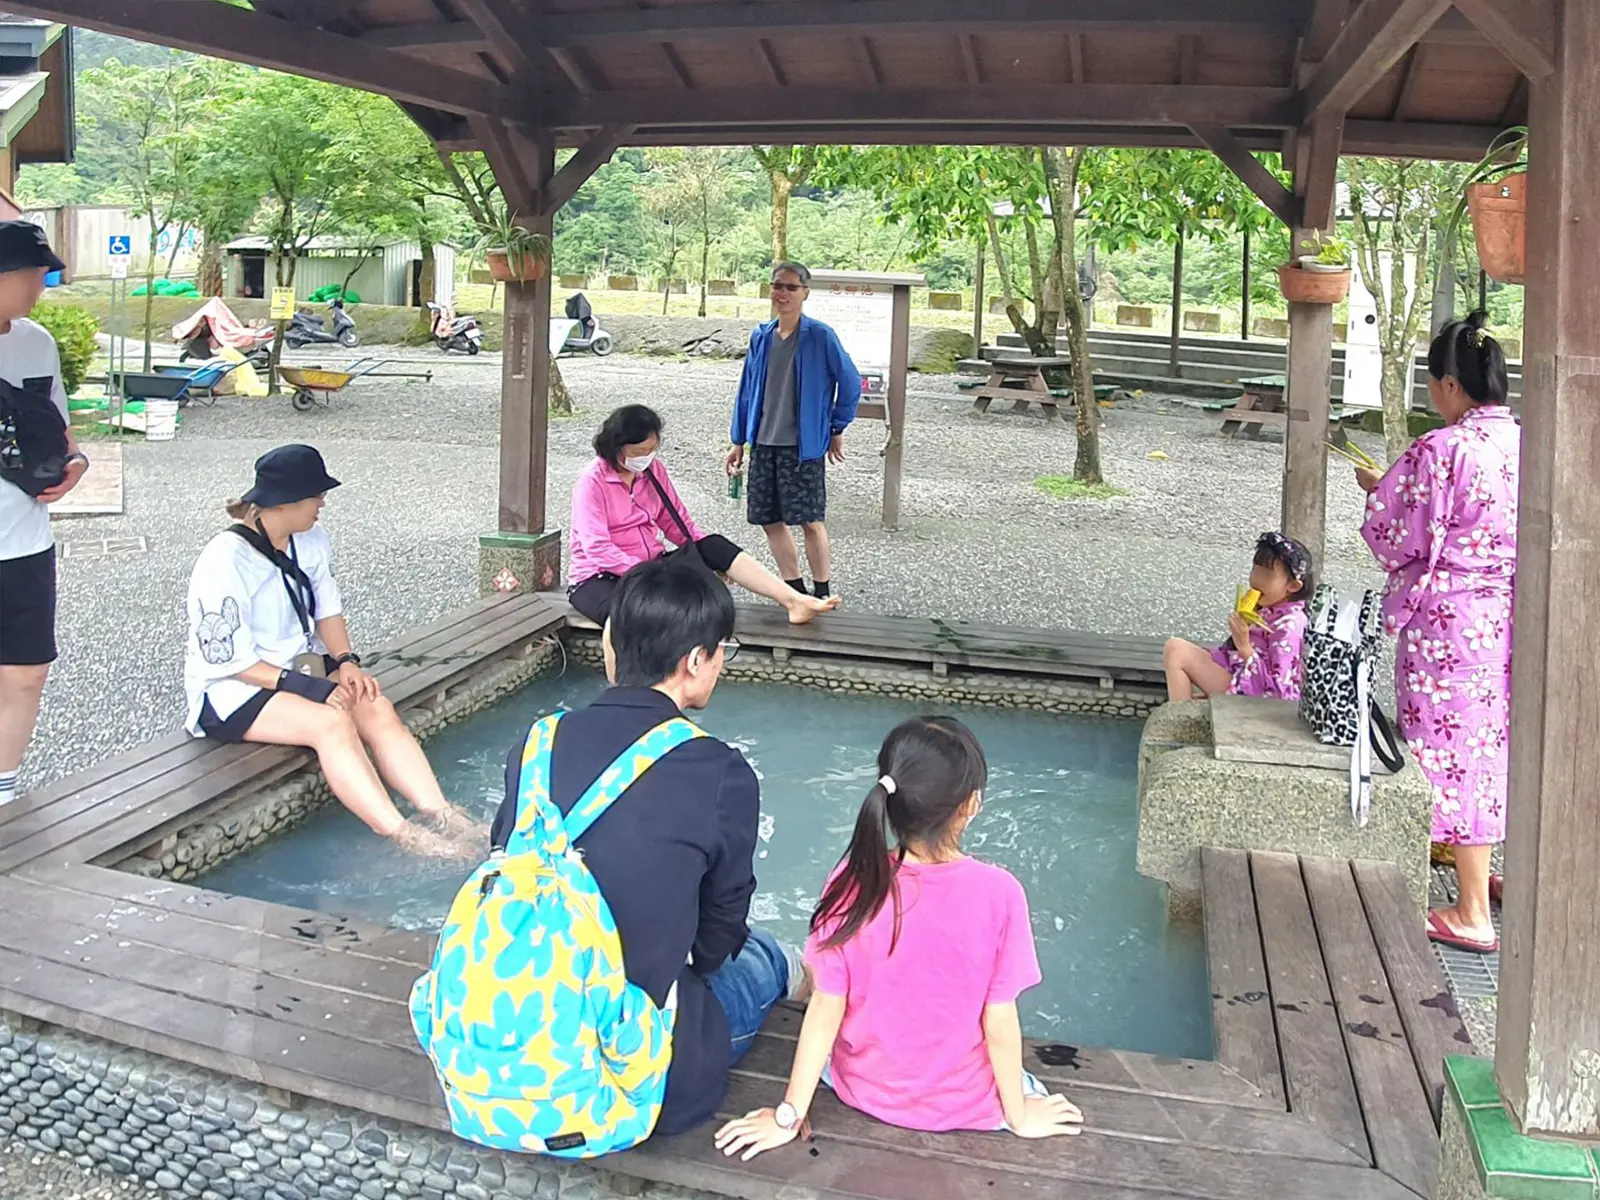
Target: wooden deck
[1331, 1019]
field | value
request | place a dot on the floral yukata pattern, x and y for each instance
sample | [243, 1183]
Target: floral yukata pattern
[1443, 524]
[1273, 670]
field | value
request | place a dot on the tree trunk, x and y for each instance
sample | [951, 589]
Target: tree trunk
[978, 303]
[1001, 268]
[149, 292]
[427, 278]
[560, 398]
[1396, 390]
[1444, 285]
[782, 188]
[1061, 173]
[1175, 349]
[1244, 293]
[211, 266]
[705, 266]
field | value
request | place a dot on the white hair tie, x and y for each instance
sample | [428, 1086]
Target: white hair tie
[886, 782]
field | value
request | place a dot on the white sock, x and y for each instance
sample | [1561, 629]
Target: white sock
[8, 786]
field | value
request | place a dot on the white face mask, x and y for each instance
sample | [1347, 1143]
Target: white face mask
[641, 464]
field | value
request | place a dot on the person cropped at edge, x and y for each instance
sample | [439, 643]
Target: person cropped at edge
[798, 393]
[673, 856]
[269, 657]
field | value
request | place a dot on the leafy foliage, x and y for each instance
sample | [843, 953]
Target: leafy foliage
[74, 330]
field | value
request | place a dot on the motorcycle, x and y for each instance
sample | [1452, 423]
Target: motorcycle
[305, 330]
[586, 334]
[451, 332]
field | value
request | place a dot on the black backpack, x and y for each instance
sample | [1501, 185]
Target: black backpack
[33, 437]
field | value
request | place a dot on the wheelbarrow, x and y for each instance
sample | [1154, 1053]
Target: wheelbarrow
[313, 383]
[201, 382]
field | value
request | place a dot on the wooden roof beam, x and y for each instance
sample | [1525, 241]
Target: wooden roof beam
[774, 67]
[427, 36]
[675, 63]
[241, 35]
[1075, 71]
[1408, 89]
[1316, 186]
[575, 172]
[510, 36]
[969, 58]
[1108, 104]
[1375, 37]
[867, 17]
[1237, 158]
[1524, 30]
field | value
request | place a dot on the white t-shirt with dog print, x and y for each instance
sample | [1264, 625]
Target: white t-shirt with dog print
[240, 614]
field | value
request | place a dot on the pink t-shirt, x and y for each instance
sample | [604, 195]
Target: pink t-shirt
[910, 1050]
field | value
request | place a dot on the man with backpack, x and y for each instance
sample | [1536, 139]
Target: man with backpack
[597, 978]
[39, 464]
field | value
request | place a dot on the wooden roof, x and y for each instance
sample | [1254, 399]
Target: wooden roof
[1128, 72]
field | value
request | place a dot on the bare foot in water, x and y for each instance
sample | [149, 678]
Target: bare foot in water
[418, 839]
[803, 608]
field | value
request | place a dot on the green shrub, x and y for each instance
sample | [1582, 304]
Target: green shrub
[73, 329]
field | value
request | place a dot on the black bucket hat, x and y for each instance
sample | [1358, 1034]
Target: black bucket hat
[24, 247]
[288, 475]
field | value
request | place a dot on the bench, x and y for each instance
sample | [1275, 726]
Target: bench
[1262, 405]
[1021, 379]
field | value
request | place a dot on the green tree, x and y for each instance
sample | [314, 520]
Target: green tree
[1399, 208]
[694, 190]
[787, 168]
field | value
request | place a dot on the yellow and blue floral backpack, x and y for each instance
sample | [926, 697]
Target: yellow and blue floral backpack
[540, 1042]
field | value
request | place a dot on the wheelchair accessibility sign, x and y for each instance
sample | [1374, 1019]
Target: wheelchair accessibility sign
[121, 245]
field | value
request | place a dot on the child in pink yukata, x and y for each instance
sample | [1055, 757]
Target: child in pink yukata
[1255, 660]
[918, 954]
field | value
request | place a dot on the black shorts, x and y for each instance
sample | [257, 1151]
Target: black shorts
[236, 724]
[28, 610]
[593, 596]
[785, 491]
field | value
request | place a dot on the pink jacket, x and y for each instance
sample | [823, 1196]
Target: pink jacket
[615, 527]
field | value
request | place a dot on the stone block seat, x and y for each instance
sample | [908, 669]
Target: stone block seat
[1189, 797]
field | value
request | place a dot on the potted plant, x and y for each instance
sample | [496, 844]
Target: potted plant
[1496, 194]
[513, 253]
[1320, 274]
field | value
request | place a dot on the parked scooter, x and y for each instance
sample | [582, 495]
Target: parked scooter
[305, 330]
[587, 334]
[451, 332]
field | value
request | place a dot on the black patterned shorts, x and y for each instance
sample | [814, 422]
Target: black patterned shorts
[783, 490]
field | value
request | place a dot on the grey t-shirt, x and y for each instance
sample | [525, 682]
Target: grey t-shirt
[780, 407]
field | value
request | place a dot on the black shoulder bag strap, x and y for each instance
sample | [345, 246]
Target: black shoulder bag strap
[1385, 742]
[689, 546]
[302, 596]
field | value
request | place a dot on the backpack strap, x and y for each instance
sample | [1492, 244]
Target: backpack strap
[540, 822]
[630, 765]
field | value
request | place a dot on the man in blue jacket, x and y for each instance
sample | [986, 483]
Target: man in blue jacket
[797, 396]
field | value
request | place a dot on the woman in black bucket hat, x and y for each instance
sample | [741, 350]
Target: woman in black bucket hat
[269, 659]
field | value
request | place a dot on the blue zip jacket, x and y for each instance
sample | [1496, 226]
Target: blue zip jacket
[827, 387]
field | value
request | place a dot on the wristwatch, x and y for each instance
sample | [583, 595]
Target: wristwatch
[786, 1116]
[350, 657]
[77, 456]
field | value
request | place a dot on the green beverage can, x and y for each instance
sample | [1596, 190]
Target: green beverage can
[735, 485]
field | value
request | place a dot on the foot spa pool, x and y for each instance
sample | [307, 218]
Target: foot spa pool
[1060, 813]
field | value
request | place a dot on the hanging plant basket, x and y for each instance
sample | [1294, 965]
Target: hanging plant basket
[1500, 226]
[527, 269]
[1313, 287]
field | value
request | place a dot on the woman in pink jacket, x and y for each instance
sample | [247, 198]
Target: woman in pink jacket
[624, 505]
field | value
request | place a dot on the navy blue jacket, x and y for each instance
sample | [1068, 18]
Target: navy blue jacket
[673, 860]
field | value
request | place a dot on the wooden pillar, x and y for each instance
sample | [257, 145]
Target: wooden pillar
[1547, 1054]
[899, 361]
[1305, 458]
[524, 401]
[1175, 349]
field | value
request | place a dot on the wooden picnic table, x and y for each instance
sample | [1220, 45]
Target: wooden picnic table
[1021, 379]
[1262, 404]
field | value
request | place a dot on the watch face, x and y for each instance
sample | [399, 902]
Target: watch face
[786, 1116]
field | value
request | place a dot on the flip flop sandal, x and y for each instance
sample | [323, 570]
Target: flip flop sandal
[1442, 854]
[1497, 887]
[1441, 933]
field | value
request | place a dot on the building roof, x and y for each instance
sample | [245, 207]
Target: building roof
[35, 75]
[321, 245]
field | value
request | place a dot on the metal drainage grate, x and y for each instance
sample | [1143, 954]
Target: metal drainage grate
[1470, 976]
[103, 547]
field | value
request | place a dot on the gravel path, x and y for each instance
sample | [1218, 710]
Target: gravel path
[419, 465]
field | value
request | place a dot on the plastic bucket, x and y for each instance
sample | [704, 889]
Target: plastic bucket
[160, 420]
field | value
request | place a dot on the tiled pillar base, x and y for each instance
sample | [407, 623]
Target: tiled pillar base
[1483, 1157]
[519, 562]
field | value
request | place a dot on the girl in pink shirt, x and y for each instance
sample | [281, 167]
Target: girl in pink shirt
[1256, 660]
[625, 511]
[918, 955]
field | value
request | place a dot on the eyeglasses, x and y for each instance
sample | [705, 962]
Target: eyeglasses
[788, 287]
[730, 649]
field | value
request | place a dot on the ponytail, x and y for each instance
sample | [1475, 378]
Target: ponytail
[1463, 350]
[857, 891]
[242, 511]
[928, 769]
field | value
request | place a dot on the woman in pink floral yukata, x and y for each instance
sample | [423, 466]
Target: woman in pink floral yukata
[1261, 660]
[1443, 523]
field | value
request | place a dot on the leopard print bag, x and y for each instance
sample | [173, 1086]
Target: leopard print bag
[1330, 699]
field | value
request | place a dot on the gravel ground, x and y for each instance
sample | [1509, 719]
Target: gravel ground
[419, 464]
